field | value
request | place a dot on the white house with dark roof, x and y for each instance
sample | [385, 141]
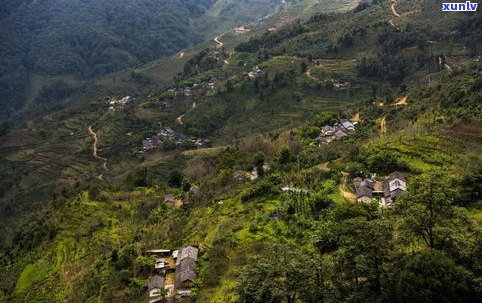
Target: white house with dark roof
[155, 285]
[393, 185]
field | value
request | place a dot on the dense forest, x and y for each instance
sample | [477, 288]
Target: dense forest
[87, 38]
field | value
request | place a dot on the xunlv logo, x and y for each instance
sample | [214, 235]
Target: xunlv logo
[459, 7]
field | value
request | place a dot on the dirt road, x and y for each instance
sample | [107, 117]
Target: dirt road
[94, 148]
[356, 118]
[216, 39]
[383, 126]
[348, 195]
[179, 119]
[308, 74]
[394, 11]
[400, 101]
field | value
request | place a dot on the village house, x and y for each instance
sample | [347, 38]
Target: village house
[193, 190]
[384, 191]
[169, 198]
[155, 286]
[211, 84]
[186, 259]
[151, 143]
[255, 72]
[341, 82]
[168, 133]
[115, 103]
[187, 92]
[163, 104]
[393, 185]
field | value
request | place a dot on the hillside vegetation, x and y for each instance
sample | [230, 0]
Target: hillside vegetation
[274, 216]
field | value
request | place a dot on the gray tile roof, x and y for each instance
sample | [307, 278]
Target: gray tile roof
[156, 282]
[185, 271]
[364, 192]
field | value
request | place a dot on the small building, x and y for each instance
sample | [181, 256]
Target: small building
[187, 92]
[357, 182]
[155, 286]
[393, 185]
[169, 198]
[158, 252]
[347, 125]
[186, 274]
[164, 104]
[194, 190]
[341, 82]
[364, 194]
[186, 266]
[256, 71]
[160, 264]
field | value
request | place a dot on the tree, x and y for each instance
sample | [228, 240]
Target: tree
[428, 208]
[282, 276]
[428, 276]
[175, 178]
[365, 247]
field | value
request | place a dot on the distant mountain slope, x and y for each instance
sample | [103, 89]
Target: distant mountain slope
[58, 39]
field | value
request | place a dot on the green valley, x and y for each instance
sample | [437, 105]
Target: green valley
[327, 152]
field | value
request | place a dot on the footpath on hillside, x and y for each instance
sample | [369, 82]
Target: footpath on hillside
[94, 149]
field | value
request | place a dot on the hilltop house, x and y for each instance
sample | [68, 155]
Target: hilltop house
[186, 259]
[156, 284]
[385, 191]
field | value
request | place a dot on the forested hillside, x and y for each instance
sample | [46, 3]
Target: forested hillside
[275, 159]
[87, 38]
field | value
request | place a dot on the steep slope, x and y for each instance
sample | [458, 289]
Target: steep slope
[286, 233]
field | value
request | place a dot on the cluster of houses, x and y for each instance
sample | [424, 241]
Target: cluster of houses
[338, 131]
[168, 134]
[384, 190]
[174, 273]
[115, 103]
[188, 91]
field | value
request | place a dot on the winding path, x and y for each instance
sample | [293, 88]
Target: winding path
[179, 119]
[383, 126]
[94, 149]
[216, 39]
[394, 11]
[308, 74]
